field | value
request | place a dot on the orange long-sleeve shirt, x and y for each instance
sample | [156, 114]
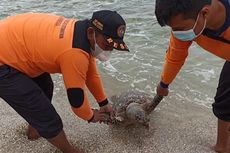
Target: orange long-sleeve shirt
[38, 43]
[178, 50]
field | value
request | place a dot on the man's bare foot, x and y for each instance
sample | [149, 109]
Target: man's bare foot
[75, 150]
[32, 133]
[218, 149]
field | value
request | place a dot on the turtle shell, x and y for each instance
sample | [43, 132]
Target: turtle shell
[121, 101]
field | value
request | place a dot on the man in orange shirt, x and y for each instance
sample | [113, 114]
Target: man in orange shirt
[35, 45]
[206, 22]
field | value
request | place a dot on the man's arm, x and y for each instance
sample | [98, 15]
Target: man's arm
[175, 58]
[74, 65]
[95, 86]
[94, 83]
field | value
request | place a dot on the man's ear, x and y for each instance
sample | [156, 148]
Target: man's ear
[90, 33]
[205, 11]
[90, 36]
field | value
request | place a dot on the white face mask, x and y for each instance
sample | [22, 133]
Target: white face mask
[189, 35]
[99, 53]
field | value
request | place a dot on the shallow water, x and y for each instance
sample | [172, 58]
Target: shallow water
[141, 68]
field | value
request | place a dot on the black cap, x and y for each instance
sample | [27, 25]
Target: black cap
[112, 26]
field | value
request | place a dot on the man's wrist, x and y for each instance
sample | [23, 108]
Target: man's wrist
[90, 120]
[163, 85]
[103, 103]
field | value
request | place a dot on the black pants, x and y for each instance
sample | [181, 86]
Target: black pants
[31, 98]
[221, 106]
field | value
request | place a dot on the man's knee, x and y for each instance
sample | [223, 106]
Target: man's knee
[50, 129]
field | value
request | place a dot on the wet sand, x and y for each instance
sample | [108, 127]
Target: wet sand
[175, 127]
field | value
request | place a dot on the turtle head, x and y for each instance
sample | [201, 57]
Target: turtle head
[135, 113]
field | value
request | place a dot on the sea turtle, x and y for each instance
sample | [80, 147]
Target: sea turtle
[133, 107]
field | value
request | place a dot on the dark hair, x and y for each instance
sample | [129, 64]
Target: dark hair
[165, 9]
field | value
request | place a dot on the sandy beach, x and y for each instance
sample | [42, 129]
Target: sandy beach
[178, 125]
[175, 127]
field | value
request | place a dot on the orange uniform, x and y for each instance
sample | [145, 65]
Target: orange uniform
[178, 51]
[38, 43]
[215, 41]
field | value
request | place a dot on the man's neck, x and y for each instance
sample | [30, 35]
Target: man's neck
[219, 16]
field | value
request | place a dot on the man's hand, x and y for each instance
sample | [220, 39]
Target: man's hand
[99, 117]
[108, 109]
[162, 91]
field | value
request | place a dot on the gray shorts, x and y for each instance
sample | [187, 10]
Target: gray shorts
[31, 98]
[221, 106]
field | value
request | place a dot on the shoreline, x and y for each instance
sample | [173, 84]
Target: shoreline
[175, 127]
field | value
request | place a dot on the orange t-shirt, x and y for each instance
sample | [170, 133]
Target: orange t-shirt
[38, 43]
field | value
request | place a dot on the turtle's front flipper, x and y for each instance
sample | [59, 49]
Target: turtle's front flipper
[118, 118]
[153, 104]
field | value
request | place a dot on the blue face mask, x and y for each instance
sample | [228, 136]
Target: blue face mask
[189, 35]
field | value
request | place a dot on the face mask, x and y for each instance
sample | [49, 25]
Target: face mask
[99, 53]
[189, 35]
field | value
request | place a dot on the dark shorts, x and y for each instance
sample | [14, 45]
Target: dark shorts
[31, 98]
[221, 106]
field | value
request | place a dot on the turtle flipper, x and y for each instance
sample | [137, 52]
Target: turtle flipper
[153, 104]
[119, 118]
